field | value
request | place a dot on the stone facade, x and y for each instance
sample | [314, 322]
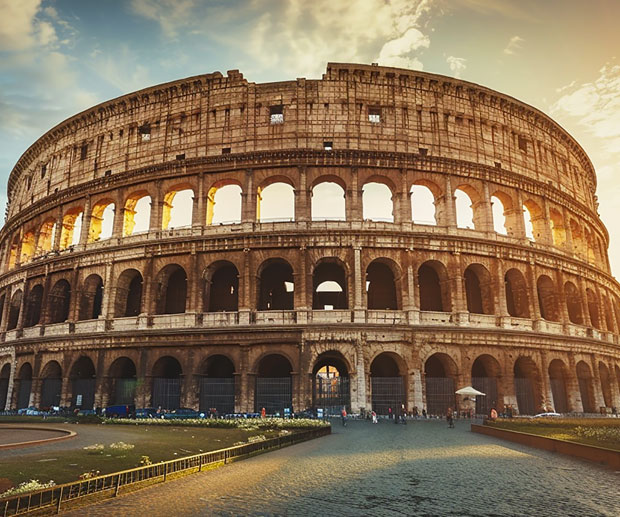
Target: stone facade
[180, 316]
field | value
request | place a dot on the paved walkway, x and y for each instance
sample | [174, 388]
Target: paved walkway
[423, 468]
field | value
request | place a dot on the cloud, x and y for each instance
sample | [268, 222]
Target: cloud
[399, 52]
[514, 45]
[457, 65]
[171, 15]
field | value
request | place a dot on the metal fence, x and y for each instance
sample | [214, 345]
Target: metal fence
[387, 392]
[51, 500]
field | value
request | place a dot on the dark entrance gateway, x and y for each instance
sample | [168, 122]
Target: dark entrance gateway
[217, 385]
[330, 384]
[387, 385]
[273, 385]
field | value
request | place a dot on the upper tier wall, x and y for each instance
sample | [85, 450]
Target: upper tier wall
[210, 114]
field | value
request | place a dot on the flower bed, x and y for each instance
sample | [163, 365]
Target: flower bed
[249, 424]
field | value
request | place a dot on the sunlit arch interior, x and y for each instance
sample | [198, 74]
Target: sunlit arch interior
[224, 204]
[499, 218]
[101, 220]
[177, 209]
[276, 203]
[377, 202]
[422, 205]
[137, 213]
[328, 202]
[71, 227]
[464, 210]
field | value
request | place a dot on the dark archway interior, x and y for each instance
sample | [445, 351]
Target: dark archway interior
[329, 272]
[430, 289]
[5, 373]
[123, 367]
[82, 376]
[83, 368]
[123, 381]
[91, 299]
[219, 366]
[384, 366]
[333, 362]
[516, 294]
[274, 365]
[584, 377]
[134, 296]
[273, 293]
[51, 385]
[381, 287]
[434, 367]
[33, 306]
[24, 385]
[172, 291]
[526, 378]
[16, 301]
[547, 299]
[473, 292]
[167, 367]
[605, 384]
[557, 380]
[59, 301]
[593, 309]
[573, 303]
[223, 289]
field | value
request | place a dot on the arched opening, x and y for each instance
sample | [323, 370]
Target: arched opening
[478, 290]
[499, 218]
[377, 202]
[24, 386]
[609, 319]
[586, 389]
[535, 221]
[13, 253]
[422, 205]
[329, 286]
[128, 300]
[47, 236]
[16, 303]
[166, 392]
[224, 204]
[51, 385]
[123, 381]
[217, 386]
[91, 298]
[221, 287]
[276, 203]
[485, 373]
[177, 209]
[137, 212]
[558, 231]
[440, 373]
[593, 308]
[433, 287]
[590, 247]
[34, 303]
[5, 374]
[27, 247]
[71, 228]
[464, 210]
[276, 286]
[517, 302]
[605, 384]
[274, 390]
[547, 299]
[101, 220]
[573, 303]
[527, 386]
[381, 287]
[576, 233]
[82, 377]
[557, 379]
[59, 302]
[171, 290]
[328, 202]
[330, 383]
[387, 383]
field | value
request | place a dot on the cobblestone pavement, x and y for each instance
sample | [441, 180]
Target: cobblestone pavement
[423, 469]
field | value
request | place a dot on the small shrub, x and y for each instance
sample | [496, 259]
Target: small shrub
[122, 446]
[257, 438]
[27, 486]
[95, 448]
[88, 475]
[145, 461]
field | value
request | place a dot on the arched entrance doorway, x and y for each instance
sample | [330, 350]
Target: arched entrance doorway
[217, 385]
[440, 372]
[24, 385]
[274, 390]
[484, 374]
[330, 383]
[584, 376]
[5, 373]
[527, 386]
[557, 379]
[51, 386]
[387, 384]
[122, 381]
[166, 383]
[605, 384]
[82, 377]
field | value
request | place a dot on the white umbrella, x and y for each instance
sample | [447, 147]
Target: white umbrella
[469, 391]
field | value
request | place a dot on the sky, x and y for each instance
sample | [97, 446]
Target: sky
[59, 57]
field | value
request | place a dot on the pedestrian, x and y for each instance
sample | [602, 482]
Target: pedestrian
[450, 418]
[423, 413]
[390, 413]
[343, 414]
[403, 413]
[263, 413]
[374, 417]
[493, 414]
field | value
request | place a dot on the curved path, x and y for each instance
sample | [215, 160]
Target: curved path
[19, 436]
[423, 468]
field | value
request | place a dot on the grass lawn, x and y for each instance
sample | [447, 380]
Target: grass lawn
[157, 442]
[601, 432]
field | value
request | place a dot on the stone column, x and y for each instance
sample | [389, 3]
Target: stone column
[597, 388]
[358, 284]
[416, 387]
[58, 233]
[584, 302]
[533, 295]
[246, 289]
[11, 383]
[248, 199]
[483, 212]
[353, 199]
[446, 208]
[573, 394]
[107, 303]
[22, 306]
[86, 217]
[74, 302]
[198, 213]
[547, 394]
[303, 202]
[501, 303]
[8, 294]
[358, 380]
[194, 282]
[561, 298]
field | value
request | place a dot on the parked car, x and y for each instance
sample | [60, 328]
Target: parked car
[183, 413]
[549, 414]
[147, 412]
[30, 411]
[119, 411]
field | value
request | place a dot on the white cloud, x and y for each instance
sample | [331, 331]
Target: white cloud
[171, 15]
[400, 51]
[18, 25]
[514, 45]
[457, 65]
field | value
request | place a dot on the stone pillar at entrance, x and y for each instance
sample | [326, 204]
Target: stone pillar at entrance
[358, 382]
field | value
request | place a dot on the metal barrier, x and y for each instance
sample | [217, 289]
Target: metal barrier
[50, 500]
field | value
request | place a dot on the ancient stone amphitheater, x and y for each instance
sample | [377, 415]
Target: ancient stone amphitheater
[436, 234]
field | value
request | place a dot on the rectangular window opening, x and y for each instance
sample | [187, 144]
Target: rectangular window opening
[225, 150]
[145, 133]
[522, 143]
[43, 171]
[276, 114]
[374, 115]
[84, 152]
[108, 172]
[181, 156]
[328, 146]
[423, 151]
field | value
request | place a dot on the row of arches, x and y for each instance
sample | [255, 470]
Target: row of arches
[332, 289]
[215, 381]
[467, 207]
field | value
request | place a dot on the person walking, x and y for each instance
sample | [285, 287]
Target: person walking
[343, 414]
[374, 417]
[450, 418]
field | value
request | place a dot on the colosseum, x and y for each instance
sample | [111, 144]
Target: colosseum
[432, 234]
